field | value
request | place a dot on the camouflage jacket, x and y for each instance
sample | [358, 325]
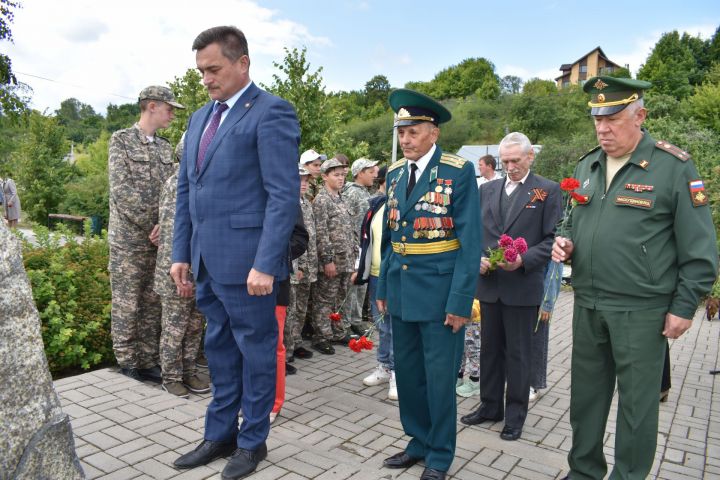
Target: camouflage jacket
[307, 263]
[314, 187]
[333, 228]
[138, 168]
[357, 198]
[164, 285]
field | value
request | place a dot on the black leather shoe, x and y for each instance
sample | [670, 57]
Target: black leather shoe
[130, 372]
[358, 329]
[290, 359]
[324, 347]
[400, 460]
[205, 453]
[302, 352]
[343, 340]
[476, 418]
[290, 370]
[510, 433]
[244, 462]
[153, 374]
[432, 474]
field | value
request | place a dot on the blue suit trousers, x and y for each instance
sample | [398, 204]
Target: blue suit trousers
[240, 344]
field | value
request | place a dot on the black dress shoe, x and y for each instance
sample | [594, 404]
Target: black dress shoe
[510, 433]
[290, 359]
[343, 340]
[400, 460]
[358, 329]
[153, 374]
[244, 462]
[205, 453]
[432, 474]
[290, 370]
[477, 417]
[324, 347]
[303, 353]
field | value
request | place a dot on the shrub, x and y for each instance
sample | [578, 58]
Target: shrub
[71, 289]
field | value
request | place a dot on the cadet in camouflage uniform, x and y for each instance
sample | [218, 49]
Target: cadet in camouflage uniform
[305, 271]
[357, 195]
[182, 323]
[37, 440]
[139, 164]
[336, 257]
[311, 161]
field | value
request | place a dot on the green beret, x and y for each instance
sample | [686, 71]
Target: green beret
[412, 108]
[611, 95]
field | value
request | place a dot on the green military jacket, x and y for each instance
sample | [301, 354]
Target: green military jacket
[646, 242]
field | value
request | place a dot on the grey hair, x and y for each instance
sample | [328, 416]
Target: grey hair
[516, 138]
[636, 105]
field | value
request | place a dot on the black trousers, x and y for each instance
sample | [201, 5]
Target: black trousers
[666, 371]
[505, 353]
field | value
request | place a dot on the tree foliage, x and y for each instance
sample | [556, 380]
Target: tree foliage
[305, 91]
[41, 170]
[471, 76]
[13, 94]
[82, 124]
[671, 66]
[121, 116]
[191, 94]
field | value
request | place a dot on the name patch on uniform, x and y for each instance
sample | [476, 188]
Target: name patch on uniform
[697, 193]
[634, 201]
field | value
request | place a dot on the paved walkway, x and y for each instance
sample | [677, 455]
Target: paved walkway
[332, 427]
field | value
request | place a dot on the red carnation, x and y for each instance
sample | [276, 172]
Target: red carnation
[520, 245]
[355, 345]
[505, 241]
[335, 317]
[365, 343]
[579, 198]
[510, 254]
[569, 184]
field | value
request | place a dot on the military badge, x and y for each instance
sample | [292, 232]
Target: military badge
[638, 187]
[697, 193]
[538, 195]
[634, 201]
[600, 84]
[644, 164]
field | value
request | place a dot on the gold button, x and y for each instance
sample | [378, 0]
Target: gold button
[404, 267]
[404, 224]
[403, 238]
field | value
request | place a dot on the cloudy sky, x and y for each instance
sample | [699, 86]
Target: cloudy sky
[106, 52]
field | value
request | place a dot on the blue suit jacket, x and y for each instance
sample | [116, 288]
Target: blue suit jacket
[238, 211]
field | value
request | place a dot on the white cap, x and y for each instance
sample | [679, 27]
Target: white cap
[310, 156]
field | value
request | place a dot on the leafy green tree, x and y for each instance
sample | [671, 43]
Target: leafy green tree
[190, 93]
[41, 171]
[13, 94]
[713, 48]
[88, 193]
[670, 67]
[121, 116]
[621, 72]
[560, 154]
[471, 76]
[377, 90]
[704, 105]
[82, 124]
[305, 91]
[538, 87]
[510, 85]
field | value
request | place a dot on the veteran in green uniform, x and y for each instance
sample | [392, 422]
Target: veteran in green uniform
[431, 259]
[643, 252]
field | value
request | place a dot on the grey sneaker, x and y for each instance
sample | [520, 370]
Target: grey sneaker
[196, 384]
[177, 389]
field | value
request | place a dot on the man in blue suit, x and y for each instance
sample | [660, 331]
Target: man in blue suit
[238, 187]
[430, 260]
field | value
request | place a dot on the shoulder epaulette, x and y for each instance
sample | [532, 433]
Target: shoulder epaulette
[397, 164]
[588, 153]
[673, 150]
[452, 160]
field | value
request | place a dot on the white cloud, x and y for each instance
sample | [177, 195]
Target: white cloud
[106, 52]
[525, 74]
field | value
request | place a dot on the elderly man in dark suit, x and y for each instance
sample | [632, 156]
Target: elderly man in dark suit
[521, 205]
[237, 202]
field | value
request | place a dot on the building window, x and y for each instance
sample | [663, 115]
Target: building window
[583, 68]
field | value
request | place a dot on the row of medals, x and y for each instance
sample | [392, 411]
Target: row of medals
[434, 202]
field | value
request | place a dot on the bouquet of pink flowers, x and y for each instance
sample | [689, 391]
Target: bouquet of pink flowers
[507, 250]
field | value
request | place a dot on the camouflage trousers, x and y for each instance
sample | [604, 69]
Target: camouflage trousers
[182, 327]
[353, 308]
[296, 311]
[135, 308]
[327, 296]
